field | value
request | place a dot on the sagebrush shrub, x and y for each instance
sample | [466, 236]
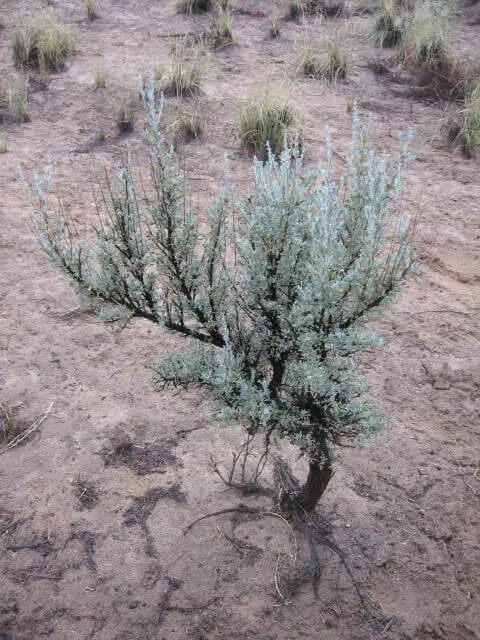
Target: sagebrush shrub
[274, 289]
[42, 41]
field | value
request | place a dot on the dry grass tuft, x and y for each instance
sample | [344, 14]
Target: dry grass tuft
[43, 42]
[9, 429]
[194, 6]
[325, 8]
[464, 131]
[388, 29]
[18, 97]
[274, 27]
[268, 119]
[425, 36]
[222, 27]
[100, 77]
[186, 72]
[330, 66]
[188, 126]
[90, 9]
[3, 143]
[126, 110]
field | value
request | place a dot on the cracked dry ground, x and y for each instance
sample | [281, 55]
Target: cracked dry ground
[94, 506]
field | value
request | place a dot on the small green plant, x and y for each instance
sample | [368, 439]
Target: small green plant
[194, 6]
[126, 110]
[43, 42]
[387, 31]
[266, 122]
[465, 129]
[100, 77]
[274, 27]
[186, 71]
[18, 97]
[3, 143]
[90, 9]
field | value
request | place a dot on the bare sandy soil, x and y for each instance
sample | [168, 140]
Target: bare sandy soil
[93, 508]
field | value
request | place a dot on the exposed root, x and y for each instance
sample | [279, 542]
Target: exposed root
[316, 531]
[240, 509]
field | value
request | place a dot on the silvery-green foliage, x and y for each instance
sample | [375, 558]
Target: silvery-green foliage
[276, 287]
[55, 233]
[314, 254]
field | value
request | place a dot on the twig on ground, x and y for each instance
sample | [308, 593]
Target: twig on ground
[28, 432]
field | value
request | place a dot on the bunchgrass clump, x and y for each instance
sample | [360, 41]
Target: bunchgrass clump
[194, 6]
[126, 110]
[465, 129]
[3, 143]
[189, 125]
[274, 27]
[185, 74]
[43, 42]
[100, 77]
[307, 60]
[326, 8]
[295, 10]
[222, 27]
[9, 428]
[90, 9]
[18, 97]
[311, 63]
[425, 36]
[268, 121]
[336, 65]
[387, 31]
[156, 74]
